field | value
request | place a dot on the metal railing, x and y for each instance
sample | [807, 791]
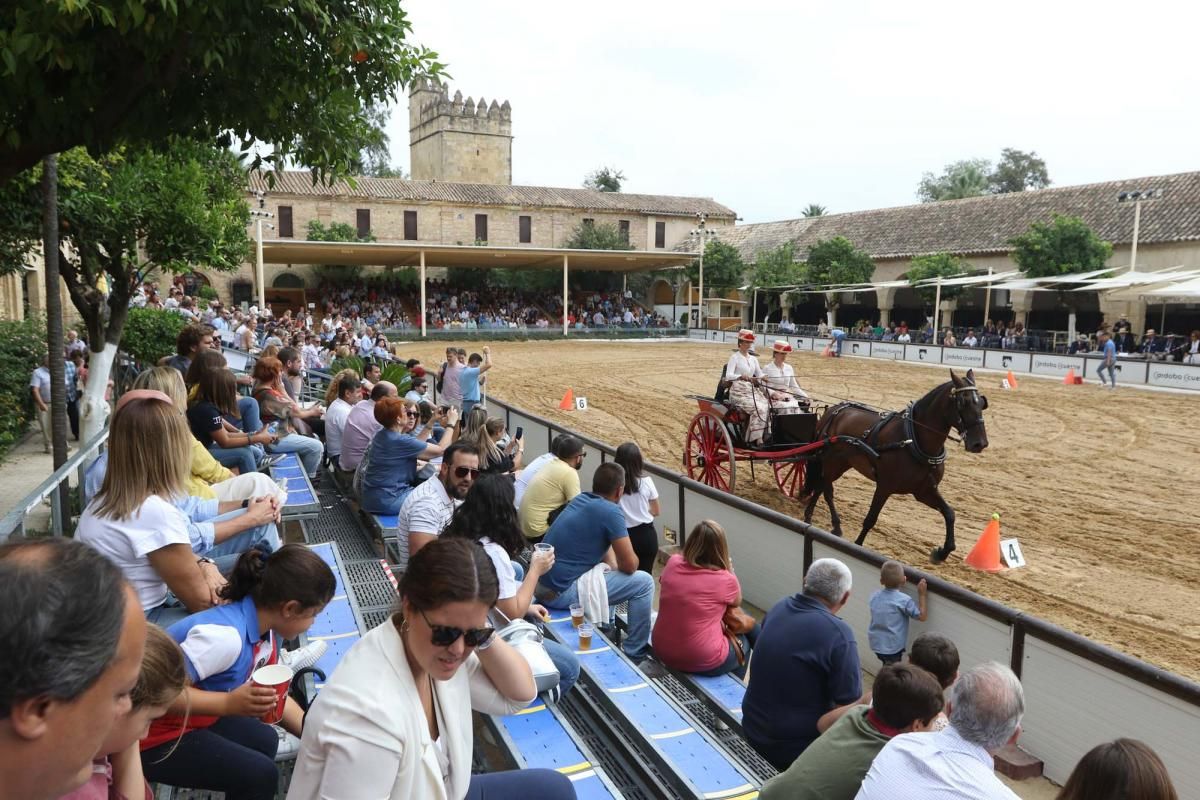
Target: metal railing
[14, 520]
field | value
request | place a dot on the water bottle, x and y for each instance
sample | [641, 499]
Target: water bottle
[283, 487]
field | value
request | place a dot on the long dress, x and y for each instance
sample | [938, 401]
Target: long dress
[782, 387]
[745, 396]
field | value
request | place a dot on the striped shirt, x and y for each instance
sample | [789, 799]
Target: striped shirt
[933, 766]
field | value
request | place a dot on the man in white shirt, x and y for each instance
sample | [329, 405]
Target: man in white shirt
[367, 343]
[349, 393]
[428, 508]
[970, 340]
[985, 709]
[361, 426]
[311, 354]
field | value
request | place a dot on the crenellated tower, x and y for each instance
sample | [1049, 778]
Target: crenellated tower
[457, 140]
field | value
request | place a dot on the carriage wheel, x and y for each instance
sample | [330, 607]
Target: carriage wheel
[789, 476]
[708, 454]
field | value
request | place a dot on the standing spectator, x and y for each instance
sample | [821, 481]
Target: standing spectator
[1108, 360]
[555, 485]
[1125, 769]
[639, 503]
[449, 391]
[905, 699]
[891, 610]
[428, 509]
[986, 705]
[39, 387]
[805, 665]
[348, 394]
[696, 589]
[75, 344]
[72, 632]
[361, 427]
[591, 532]
[469, 379]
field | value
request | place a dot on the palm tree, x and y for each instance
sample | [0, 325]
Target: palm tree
[813, 210]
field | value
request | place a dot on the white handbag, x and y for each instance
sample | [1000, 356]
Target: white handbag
[526, 639]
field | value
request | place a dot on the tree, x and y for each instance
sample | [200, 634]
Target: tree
[935, 265]
[1018, 171]
[776, 267]
[375, 159]
[604, 179]
[967, 178]
[590, 236]
[723, 266]
[834, 262]
[1059, 247]
[317, 231]
[120, 218]
[301, 76]
[813, 210]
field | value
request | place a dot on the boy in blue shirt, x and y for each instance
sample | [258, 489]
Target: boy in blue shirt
[469, 379]
[1108, 359]
[890, 611]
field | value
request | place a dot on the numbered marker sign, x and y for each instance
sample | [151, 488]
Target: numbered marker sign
[1010, 551]
[581, 404]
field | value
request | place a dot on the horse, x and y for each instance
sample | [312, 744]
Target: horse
[902, 452]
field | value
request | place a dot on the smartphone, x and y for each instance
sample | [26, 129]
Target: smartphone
[520, 433]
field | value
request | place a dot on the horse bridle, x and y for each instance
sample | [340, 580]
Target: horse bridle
[954, 392]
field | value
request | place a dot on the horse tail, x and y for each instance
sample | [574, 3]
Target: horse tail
[814, 478]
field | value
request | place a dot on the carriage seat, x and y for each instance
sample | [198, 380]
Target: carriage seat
[722, 393]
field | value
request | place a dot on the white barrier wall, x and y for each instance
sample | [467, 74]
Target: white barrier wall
[1051, 364]
[966, 357]
[1175, 376]
[887, 350]
[535, 434]
[668, 502]
[923, 353]
[1008, 360]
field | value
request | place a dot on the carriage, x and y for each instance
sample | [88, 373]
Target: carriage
[716, 442]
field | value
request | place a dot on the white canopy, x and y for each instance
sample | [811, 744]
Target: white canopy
[967, 280]
[1134, 278]
[1183, 289]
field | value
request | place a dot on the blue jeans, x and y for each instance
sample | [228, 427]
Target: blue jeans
[544, 784]
[1112, 373]
[245, 459]
[251, 419]
[227, 552]
[638, 590]
[310, 450]
[467, 405]
[838, 336]
[563, 657]
[730, 664]
[236, 755]
[170, 612]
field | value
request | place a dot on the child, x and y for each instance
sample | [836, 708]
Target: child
[117, 772]
[938, 656]
[221, 744]
[890, 611]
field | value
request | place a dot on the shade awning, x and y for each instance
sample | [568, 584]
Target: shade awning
[1183, 289]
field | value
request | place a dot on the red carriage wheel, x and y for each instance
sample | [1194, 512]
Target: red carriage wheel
[789, 476]
[708, 454]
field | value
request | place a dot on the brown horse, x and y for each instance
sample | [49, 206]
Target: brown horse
[905, 451]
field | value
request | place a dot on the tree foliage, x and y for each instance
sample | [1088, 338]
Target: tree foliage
[945, 265]
[301, 75]
[604, 179]
[22, 348]
[776, 267]
[375, 158]
[1059, 247]
[590, 236]
[317, 231]
[967, 178]
[1018, 171]
[150, 334]
[836, 261]
[813, 210]
[723, 266]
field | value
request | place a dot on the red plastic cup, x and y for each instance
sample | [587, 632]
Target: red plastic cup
[277, 677]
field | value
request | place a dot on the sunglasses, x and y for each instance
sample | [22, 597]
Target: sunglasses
[412, 414]
[446, 635]
[462, 472]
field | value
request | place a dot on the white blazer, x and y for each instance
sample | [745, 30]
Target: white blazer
[366, 737]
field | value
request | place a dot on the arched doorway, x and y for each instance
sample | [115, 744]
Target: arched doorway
[287, 280]
[286, 293]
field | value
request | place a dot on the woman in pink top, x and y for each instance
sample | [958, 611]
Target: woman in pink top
[694, 591]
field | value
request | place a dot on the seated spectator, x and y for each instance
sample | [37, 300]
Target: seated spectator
[938, 656]
[278, 411]
[70, 662]
[891, 609]
[417, 393]
[191, 340]
[485, 437]
[349, 392]
[904, 699]
[390, 470]
[1080, 345]
[970, 340]
[1151, 345]
[429, 508]
[555, 485]
[117, 769]
[590, 536]
[695, 590]
[308, 420]
[488, 517]
[639, 504]
[948, 339]
[985, 709]
[904, 336]
[394, 720]
[526, 475]
[805, 665]
[227, 425]
[1125, 769]
[214, 738]
[361, 427]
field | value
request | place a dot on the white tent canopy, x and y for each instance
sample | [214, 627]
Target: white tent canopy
[1127, 279]
[1183, 290]
[966, 280]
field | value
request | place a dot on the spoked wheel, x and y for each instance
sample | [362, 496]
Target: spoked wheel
[789, 476]
[708, 454]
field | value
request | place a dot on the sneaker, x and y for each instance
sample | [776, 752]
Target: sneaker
[289, 746]
[551, 696]
[270, 461]
[303, 657]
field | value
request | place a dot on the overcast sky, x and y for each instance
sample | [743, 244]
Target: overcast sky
[768, 106]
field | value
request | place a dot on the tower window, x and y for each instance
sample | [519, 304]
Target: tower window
[623, 230]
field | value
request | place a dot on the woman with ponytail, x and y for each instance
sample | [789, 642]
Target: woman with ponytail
[117, 772]
[214, 739]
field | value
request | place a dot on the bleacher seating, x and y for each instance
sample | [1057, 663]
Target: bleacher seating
[302, 501]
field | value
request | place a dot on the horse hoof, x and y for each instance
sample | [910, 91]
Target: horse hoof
[936, 556]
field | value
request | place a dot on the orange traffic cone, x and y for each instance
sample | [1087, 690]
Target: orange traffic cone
[1069, 380]
[1012, 380]
[828, 351]
[985, 555]
[568, 401]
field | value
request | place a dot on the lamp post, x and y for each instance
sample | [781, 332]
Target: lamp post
[261, 216]
[702, 234]
[1136, 198]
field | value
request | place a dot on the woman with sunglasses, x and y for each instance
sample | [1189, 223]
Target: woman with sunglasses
[389, 470]
[277, 409]
[394, 720]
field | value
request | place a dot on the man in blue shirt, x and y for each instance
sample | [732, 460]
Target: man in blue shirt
[805, 665]
[468, 379]
[591, 530]
[1108, 359]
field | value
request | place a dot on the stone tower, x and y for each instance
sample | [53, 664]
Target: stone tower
[456, 140]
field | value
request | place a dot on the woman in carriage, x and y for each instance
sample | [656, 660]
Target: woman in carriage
[743, 376]
[780, 380]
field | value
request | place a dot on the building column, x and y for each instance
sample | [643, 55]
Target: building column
[885, 300]
[421, 310]
[1022, 304]
[946, 318]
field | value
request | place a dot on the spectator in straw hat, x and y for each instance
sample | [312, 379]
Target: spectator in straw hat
[780, 379]
[743, 375]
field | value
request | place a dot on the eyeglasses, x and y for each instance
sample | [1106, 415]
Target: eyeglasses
[412, 414]
[446, 635]
[462, 472]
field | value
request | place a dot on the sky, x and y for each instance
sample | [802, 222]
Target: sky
[769, 106]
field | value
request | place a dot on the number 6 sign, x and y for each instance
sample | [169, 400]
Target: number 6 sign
[581, 404]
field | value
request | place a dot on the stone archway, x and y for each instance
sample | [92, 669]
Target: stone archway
[662, 292]
[287, 280]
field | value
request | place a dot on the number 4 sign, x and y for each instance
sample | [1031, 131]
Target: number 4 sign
[581, 404]
[1010, 551]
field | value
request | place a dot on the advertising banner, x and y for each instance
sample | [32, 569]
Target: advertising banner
[962, 357]
[856, 348]
[1176, 376]
[887, 350]
[925, 353]
[1006, 360]
[1051, 364]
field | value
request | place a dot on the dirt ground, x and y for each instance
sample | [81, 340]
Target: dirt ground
[1096, 485]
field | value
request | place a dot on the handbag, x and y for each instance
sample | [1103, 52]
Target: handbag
[734, 622]
[526, 639]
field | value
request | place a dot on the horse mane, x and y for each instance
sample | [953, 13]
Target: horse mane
[929, 395]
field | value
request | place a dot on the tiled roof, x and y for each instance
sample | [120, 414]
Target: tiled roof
[480, 194]
[984, 225]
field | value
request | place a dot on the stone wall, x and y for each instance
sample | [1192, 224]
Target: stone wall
[457, 140]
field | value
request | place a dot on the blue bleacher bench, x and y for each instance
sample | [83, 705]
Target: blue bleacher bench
[538, 738]
[302, 501]
[340, 623]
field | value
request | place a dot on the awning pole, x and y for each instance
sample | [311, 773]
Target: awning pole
[422, 309]
[937, 305]
[987, 302]
[564, 309]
